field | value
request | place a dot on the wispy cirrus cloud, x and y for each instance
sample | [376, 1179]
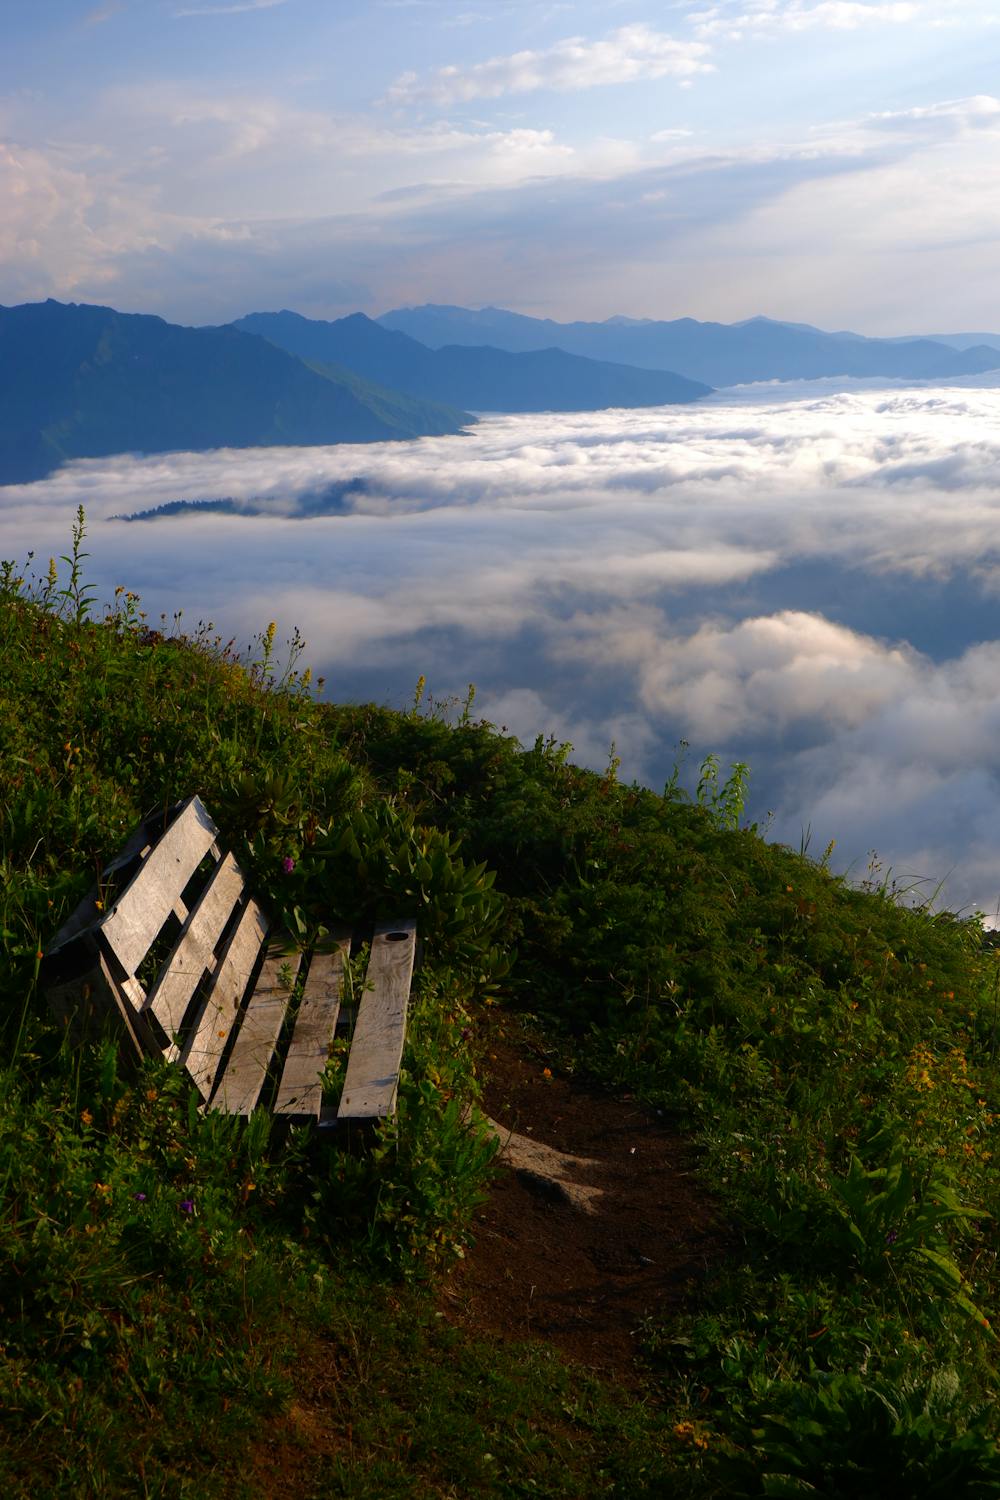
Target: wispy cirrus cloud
[624, 56]
[106, 12]
[734, 21]
[237, 7]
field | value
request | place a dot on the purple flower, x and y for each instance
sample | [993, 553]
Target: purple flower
[187, 1206]
[892, 1236]
[288, 864]
[139, 1197]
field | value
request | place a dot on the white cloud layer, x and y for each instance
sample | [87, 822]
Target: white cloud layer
[808, 579]
[624, 56]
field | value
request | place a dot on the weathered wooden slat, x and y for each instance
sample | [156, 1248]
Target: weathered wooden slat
[377, 1047]
[192, 954]
[300, 1092]
[239, 1088]
[87, 913]
[203, 1049]
[133, 923]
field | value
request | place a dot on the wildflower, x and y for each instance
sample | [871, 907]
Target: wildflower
[288, 864]
[152, 1094]
[546, 1072]
[689, 1433]
[892, 1236]
[103, 1187]
[139, 1197]
[99, 905]
[86, 1118]
[186, 1205]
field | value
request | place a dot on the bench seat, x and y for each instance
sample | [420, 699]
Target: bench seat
[174, 955]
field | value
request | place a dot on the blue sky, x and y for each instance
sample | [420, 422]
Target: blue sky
[834, 161]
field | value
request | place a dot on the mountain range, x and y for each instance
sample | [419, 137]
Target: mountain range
[79, 381]
[487, 379]
[84, 382]
[720, 354]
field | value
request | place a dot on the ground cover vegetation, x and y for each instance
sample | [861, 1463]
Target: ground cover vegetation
[163, 1274]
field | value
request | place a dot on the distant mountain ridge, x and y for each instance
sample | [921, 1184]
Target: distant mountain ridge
[489, 379]
[720, 354]
[80, 381]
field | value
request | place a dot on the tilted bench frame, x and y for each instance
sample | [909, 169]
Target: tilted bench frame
[219, 1004]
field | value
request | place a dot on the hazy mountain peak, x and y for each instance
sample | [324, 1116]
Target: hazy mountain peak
[491, 378]
[720, 354]
[82, 381]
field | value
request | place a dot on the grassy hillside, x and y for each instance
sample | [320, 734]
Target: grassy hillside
[167, 1281]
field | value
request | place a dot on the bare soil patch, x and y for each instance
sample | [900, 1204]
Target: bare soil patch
[542, 1265]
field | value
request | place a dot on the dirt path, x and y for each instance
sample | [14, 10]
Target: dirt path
[578, 1269]
[542, 1267]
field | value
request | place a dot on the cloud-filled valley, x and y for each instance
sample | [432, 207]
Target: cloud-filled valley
[807, 579]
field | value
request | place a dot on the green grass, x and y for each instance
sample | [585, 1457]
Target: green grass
[833, 1050]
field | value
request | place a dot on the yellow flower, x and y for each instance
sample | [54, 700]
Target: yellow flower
[546, 1072]
[103, 1187]
[86, 1117]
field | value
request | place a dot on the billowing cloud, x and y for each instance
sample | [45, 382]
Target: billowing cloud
[806, 578]
[624, 56]
[163, 209]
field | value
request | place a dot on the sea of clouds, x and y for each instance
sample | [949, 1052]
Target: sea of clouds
[805, 578]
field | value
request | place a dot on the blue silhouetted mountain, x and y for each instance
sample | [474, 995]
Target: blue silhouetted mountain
[719, 353]
[482, 378]
[78, 381]
[964, 340]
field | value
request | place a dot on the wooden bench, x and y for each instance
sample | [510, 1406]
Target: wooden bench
[173, 955]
